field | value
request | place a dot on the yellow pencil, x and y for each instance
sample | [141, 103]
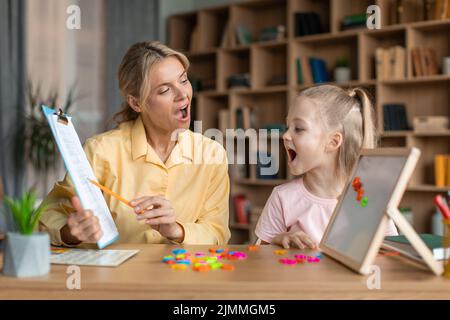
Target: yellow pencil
[117, 196]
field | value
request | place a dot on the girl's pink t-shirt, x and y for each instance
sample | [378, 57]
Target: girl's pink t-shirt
[291, 207]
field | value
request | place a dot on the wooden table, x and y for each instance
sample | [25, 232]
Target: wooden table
[261, 276]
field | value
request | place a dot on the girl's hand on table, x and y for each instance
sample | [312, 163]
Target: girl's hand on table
[297, 239]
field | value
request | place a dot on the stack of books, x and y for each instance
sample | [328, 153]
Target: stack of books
[390, 63]
[394, 116]
[311, 70]
[306, 23]
[424, 61]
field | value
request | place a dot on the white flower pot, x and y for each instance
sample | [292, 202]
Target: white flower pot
[342, 74]
[26, 255]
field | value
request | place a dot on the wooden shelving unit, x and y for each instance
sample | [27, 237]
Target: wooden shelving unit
[262, 60]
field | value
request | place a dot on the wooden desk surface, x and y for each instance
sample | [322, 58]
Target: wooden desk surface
[261, 276]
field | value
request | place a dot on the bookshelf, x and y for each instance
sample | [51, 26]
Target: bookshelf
[271, 66]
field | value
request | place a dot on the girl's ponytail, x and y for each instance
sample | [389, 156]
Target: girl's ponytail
[370, 139]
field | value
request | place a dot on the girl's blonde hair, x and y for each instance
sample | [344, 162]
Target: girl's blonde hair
[351, 113]
[134, 73]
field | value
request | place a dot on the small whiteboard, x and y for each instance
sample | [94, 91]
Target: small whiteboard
[358, 225]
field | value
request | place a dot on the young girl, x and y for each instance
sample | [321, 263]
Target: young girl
[327, 126]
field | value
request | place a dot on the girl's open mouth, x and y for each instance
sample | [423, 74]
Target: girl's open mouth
[292, 154]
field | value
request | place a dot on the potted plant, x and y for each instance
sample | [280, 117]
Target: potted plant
[342, 70]
[26, 254]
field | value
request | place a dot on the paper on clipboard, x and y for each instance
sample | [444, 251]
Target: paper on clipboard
[80, 171]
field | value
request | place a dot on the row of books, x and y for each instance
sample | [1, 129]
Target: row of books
[390, 63]
[405, 11]
[307, 23]
[311, 70]
[442, 170]
[424, 61]
[394, 117]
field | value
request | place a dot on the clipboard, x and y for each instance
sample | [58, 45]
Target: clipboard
[80, 172]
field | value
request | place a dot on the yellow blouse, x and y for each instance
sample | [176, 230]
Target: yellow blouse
[194, 179]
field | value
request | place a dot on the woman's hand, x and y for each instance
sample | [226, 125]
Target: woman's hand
[297, 239]
[82, 226]
[158, 212]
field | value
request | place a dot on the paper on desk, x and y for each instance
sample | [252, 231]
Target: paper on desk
[89, 257]
[80, 171]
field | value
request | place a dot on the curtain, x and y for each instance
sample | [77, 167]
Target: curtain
[12, 84]
[127, 22]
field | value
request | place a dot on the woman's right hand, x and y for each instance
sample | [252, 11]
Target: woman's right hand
[297, 239]
[82, 226]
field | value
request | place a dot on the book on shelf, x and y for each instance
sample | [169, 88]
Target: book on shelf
[245, 118]
[441, 9]
[307, 23]
[304, 76]
[272, 33]
[226, 39]
[431, 123]
[390, 63]
[243, 35]
[239, 80]
[354, 21]
[424, 61]
[318, 70]
[268, 161]
[242, 209]
[224, 120]
[394, 116]
[404, 11]
[442, 170]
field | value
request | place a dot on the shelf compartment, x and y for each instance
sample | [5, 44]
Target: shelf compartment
[430, 98]
[212, 24]
[369, 42]
[231, 62]
[429, 147]
[208, 109]
[340, 9]
[330, 50]
[269, 66]
[203, 71]
[435, 36]
[255, 16]
[268, 108]
[321, 7]
[181, 27]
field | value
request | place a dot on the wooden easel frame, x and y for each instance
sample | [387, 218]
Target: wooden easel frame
[391, 211]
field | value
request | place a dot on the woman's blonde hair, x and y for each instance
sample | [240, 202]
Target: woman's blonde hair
[351, 113]
[134, 73]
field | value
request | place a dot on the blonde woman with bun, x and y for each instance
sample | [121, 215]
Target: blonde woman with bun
[177, 179]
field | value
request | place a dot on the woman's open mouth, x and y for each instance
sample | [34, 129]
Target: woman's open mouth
[292, 154]
[183, 113]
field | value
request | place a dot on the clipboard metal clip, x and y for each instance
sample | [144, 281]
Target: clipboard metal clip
[62, 117]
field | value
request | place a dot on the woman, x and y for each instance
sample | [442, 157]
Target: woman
[177, 180]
